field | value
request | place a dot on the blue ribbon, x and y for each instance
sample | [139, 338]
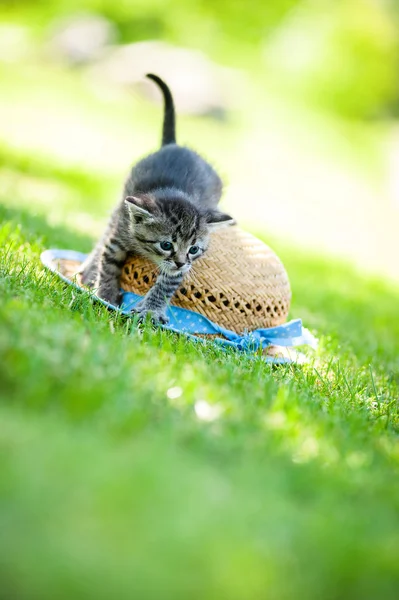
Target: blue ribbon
[191, 323]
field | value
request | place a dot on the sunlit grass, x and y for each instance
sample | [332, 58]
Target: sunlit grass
[143, 465]
[128, 457]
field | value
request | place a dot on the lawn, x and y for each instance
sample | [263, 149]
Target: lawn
[114, 484]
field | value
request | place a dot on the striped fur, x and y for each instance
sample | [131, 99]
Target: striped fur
[167, 211]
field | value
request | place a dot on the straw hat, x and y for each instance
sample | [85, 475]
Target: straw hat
[239, 283]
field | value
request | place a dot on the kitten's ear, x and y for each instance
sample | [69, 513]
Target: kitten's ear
[216, 220]
[141, 206]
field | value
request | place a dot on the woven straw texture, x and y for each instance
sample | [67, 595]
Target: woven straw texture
[239, 284]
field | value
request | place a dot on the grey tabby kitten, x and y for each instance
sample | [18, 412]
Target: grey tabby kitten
[166, 214]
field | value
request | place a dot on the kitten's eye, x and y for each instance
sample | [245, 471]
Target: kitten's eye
[166, 246]
[194, 250]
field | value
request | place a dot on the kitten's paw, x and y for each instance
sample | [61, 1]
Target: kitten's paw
[144, 314]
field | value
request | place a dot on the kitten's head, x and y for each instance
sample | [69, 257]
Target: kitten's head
[172, 233]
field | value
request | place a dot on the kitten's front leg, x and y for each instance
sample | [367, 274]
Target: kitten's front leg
[156, 300]
[107, 285]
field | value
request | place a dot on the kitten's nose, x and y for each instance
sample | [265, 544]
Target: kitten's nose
[179, 265]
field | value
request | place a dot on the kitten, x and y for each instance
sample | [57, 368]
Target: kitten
[166, 214]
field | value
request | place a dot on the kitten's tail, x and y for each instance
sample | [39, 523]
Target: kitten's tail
[169, 124]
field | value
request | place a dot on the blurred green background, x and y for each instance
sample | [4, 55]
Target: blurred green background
[303, 94]
[113, 484]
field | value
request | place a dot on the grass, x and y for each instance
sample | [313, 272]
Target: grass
[112, 483]
[111, 487]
